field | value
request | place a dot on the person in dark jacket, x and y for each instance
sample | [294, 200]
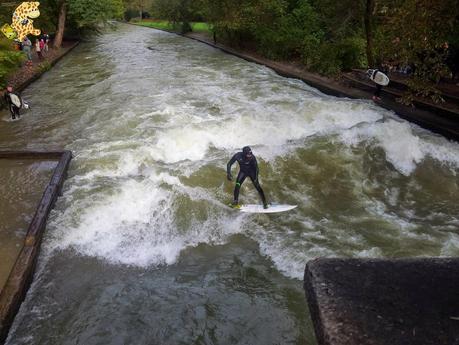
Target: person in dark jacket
[13, 102]
[248, 167]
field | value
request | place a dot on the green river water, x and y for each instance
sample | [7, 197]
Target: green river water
[141, 249]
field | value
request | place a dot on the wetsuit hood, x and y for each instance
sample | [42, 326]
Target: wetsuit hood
[246, 150]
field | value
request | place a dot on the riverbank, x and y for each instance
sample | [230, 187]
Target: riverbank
[27, 74]
[439, 118]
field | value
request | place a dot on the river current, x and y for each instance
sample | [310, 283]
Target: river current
[142, 249]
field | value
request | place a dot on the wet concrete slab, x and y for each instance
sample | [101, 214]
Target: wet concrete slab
[22, 183]
[379, 302]
[26, 177]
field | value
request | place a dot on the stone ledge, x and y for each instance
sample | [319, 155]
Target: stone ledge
[21, 275]
[379, 302]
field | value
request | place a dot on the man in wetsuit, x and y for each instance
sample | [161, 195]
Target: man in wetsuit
[11, 99]
[247, 167]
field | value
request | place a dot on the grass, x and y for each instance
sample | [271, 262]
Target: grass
[200, 27]
[165, 25]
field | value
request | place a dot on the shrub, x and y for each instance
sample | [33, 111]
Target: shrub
[10, 60]
[351, 53]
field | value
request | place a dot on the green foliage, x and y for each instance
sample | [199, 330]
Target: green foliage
[179, 12]
[10, 60]
[44, 66]
[90, 13]
[419, 38]
[289, 34]
[200, 27]
[166, 25]
[330, 58]
[419, 87]
[130, 14]
[157, 24]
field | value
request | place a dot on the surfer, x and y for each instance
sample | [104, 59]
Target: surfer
[13, 101]
[247, 167]
[381, 79]
[377, 93]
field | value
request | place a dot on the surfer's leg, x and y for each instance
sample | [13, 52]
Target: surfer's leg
[376, 95]
[260, 190]
[239, 181]
[13, 114]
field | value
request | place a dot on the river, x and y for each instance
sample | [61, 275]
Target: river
[141, 249]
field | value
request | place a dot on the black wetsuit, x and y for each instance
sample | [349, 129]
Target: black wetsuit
[248, 167]
[14, 110]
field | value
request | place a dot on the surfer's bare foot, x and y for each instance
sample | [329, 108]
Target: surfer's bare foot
[265, 206]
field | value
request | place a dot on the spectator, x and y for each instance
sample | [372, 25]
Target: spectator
[42, 46]
[27, 49]
[46, 39]
[38, 49]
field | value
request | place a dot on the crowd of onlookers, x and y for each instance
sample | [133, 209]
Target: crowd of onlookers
[40, 47]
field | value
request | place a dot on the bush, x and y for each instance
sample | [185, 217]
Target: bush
[327, 60]
[330, 58]
[284, 38]
[351, 53]
[10, 60]
[131, 14]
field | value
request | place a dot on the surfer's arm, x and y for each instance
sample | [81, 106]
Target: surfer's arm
[228, 167]
[256, 166]
[8, 99]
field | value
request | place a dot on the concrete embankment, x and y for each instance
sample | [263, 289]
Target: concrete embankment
[14, 290]
[378, 302]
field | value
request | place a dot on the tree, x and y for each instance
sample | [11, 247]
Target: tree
[138, 5]
[370, 6]
[417, 33]
[62, 16]
[86, 14]
[178, 12]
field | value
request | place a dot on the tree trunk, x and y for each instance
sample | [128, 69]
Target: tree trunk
[61, 24]
[370, 5]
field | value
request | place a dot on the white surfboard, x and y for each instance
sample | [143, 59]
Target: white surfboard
[378, 77]
[252, 208]
[15, 100]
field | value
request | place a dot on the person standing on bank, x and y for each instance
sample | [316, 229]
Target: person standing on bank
[38, 49]
[13, 101]
[381, 79]
[248, 167]
[27, 49]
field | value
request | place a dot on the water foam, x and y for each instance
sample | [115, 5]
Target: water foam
[403, 147]
[135, 223]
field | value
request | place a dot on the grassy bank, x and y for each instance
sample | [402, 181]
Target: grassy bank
[166, 25]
